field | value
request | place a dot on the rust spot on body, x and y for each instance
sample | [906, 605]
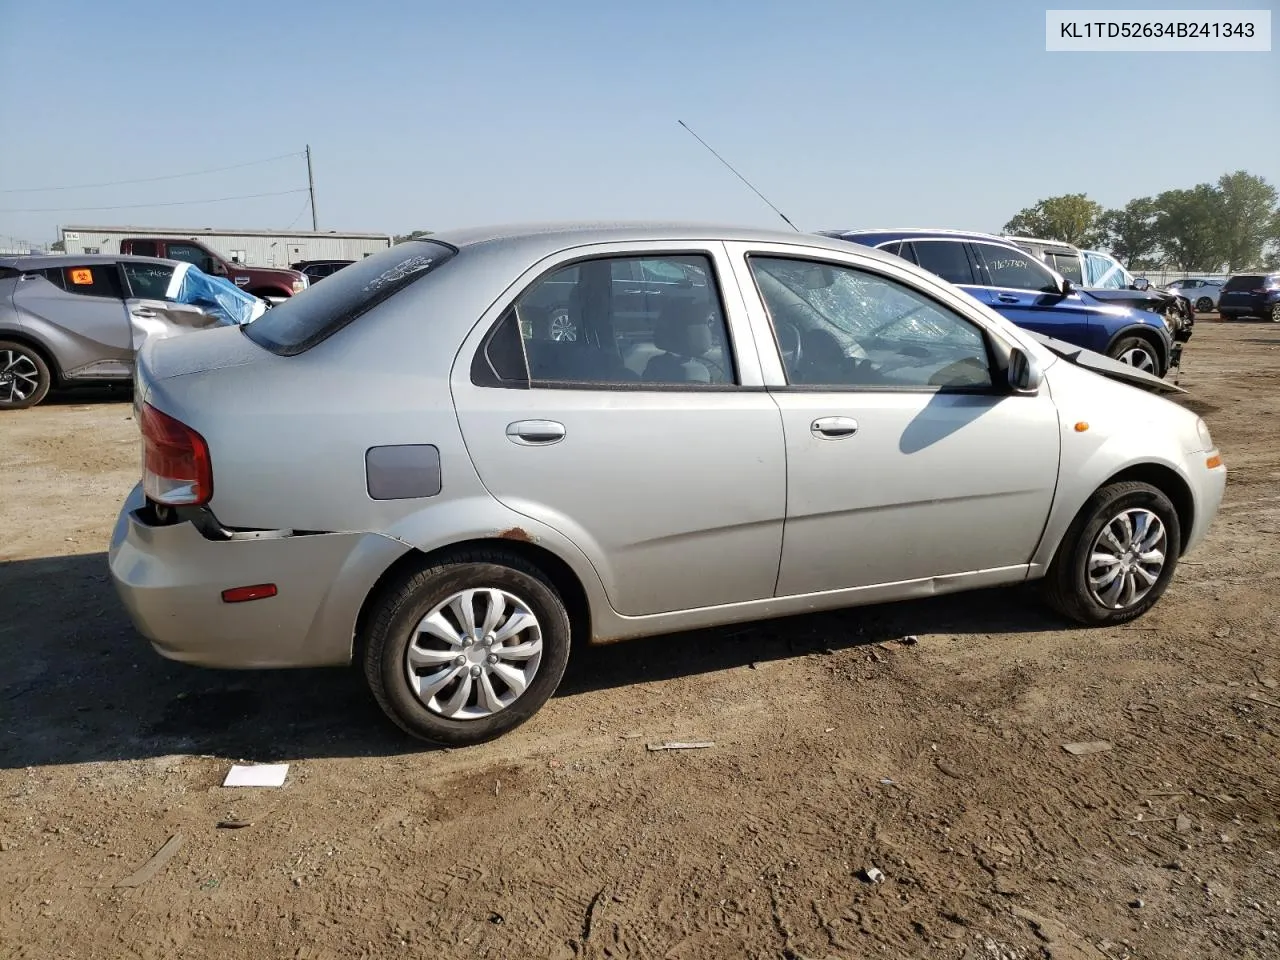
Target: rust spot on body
[515, 533]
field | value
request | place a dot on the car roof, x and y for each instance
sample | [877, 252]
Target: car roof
[544, 238]
[884, 234]
[40, 261]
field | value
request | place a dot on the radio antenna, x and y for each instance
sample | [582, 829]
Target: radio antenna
[740, 176]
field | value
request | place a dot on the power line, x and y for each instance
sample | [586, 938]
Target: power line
[144, 206]
[305, 207]
[170, 176]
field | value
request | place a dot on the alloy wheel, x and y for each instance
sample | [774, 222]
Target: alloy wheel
[1140, 357]
[474, 654]
[19, 376]
[562, 327]
[1126, 558]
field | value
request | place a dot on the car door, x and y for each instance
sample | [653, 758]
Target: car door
[906, 458]
[79, 309]
[1028, 293]
[660, 456]
[150, 296]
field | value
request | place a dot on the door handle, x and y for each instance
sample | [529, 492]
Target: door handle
[144, 312]
[535, 433]
[833, 428]
[1006, 298]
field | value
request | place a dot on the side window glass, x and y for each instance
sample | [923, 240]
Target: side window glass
[143, 248]
[1067, 265]
[579, 326]
[946, 258]
[148, 281]
[1015, 270]
[91, 280]
[189, 254]
[841, 327]
[895, 248]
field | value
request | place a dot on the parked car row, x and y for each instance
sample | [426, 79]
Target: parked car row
[722, 425]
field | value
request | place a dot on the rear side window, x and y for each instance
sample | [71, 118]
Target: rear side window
[1245, 281]
[946, 258]
[307, 318]
[143, 248]
[88, 280]
[586, 325]
[1067, 265]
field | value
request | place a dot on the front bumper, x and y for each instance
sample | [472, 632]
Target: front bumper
[171, 577]
[1209, 484]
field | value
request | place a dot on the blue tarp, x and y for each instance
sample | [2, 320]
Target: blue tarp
[217, 296]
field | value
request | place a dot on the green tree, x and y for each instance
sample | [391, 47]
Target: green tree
[1071, 218]
[1245, 218]
[57, 247]
[415, 235]
[1130, 233]
[1187, 226]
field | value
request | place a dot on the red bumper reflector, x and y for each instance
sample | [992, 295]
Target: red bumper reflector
[256, 592]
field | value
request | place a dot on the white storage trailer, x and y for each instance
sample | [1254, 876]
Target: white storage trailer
[253, 248]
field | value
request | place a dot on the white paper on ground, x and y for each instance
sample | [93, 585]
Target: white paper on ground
[257, 775]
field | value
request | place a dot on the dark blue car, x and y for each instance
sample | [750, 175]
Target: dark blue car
[1251, 295]
[1022, 288]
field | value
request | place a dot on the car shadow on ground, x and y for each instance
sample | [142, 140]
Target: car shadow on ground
[79, 685]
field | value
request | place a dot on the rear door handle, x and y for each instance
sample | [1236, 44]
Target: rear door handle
[1006, 298]
[833, 428]
[535, 433]
[144, 312]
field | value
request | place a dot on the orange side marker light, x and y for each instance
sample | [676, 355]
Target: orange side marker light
[1081, 427]
[1214, 461]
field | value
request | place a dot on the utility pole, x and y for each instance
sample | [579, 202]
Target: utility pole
[311, 185]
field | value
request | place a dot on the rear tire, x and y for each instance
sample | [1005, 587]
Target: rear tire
[444, 682]
[25, 378]
[1204, 305]
[1077, 584]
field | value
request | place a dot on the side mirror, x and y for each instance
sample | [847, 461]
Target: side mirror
[1024, 373]
[1068, 288]
[1141, 283]
[217, 269]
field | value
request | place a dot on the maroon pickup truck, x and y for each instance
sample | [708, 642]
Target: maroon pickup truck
[273, 282]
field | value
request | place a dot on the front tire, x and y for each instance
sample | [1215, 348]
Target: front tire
[467, 649]
[25, 378]
[1117, 557]
[1137, 352]
[1204, 305]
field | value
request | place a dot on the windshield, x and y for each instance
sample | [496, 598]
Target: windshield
[318, 312]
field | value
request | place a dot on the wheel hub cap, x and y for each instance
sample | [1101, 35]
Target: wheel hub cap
[1126, 558]
[474, 654]
[19, 376]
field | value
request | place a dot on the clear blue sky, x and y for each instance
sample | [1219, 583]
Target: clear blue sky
[431, 114]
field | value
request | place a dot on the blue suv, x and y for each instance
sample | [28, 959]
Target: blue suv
[1022, 288]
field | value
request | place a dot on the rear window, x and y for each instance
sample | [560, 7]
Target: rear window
[1246, 281]
[318, 312]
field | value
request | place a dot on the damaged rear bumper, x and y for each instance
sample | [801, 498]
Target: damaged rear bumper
[171, 576]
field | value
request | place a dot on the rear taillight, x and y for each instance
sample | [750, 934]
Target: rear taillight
[175, 461]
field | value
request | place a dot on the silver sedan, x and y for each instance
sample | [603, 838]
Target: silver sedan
[408, 468]
[1202, 294]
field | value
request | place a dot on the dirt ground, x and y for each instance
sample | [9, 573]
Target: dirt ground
[837, 749]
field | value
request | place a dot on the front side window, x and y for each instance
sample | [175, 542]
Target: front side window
[1015, 270]
[946, 258]
[580, 325]
[840, 327]
[148, 281]
[143, 248]
[1105, 273]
